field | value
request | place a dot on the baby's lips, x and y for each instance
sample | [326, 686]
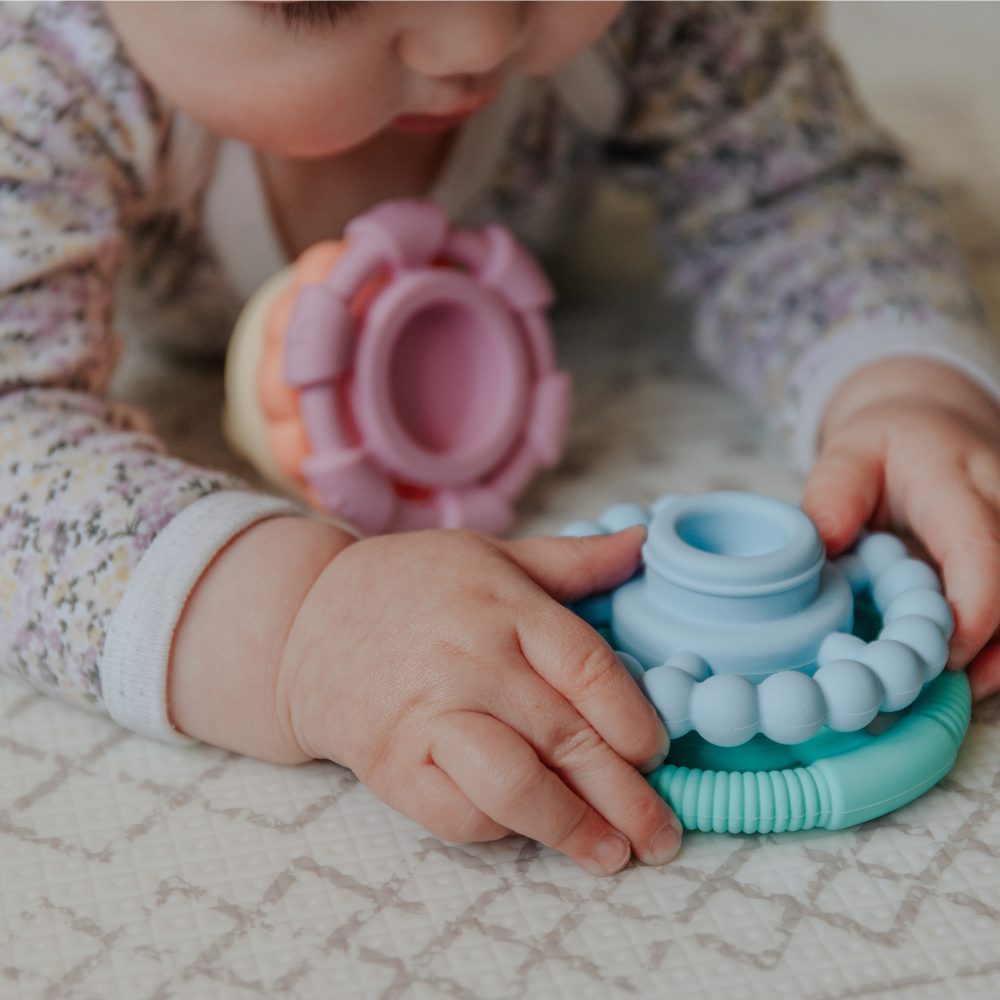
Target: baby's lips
[430, 123]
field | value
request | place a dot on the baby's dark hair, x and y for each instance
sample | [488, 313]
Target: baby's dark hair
[310, 13]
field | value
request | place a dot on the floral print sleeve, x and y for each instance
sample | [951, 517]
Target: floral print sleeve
[81, 497]
[812, 251]
[810, 247]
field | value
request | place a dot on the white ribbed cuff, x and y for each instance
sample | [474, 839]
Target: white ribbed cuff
[138, 642]
[822, 369]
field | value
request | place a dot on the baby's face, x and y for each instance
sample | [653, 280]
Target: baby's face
[313, 80]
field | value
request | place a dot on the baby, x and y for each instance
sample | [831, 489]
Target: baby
[204, 145]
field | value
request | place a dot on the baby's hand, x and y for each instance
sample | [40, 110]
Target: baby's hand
[440, 667]
[913, 445]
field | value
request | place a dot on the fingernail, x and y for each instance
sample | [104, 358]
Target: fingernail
[612, 852]
[667, 842]
[826, 522]
[957, 660]
[634, 527]
[663, 748]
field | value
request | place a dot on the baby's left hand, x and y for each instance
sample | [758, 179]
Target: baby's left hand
[913, 445]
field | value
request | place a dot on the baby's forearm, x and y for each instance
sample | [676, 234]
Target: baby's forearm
[912, 379]
[223, 684]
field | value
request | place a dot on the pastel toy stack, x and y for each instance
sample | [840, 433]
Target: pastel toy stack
[403, 377]
[744, 638]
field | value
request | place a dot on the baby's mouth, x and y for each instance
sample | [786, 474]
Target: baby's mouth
[430, 124]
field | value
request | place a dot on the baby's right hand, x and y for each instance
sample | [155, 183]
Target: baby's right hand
[440, 667]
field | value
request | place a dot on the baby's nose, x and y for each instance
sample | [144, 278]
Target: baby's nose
[460, 39]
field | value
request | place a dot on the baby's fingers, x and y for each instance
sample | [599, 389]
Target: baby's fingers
[570, 747]
[961, 531]
[426, 794]
[503, 777]
[984, 672]
[571, 568]
[843, 490]
[572, 658]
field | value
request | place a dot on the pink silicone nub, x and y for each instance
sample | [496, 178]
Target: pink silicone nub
[513, 273]
[550, 409]
[428, 394]
[478, 507]
[409, 233]
[318, 342]
[352, 487]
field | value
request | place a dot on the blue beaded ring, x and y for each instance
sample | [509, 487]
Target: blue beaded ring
[743, 636]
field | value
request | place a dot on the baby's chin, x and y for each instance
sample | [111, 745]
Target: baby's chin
[287, 139]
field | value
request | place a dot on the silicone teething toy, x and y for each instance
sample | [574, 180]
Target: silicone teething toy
[767, 663]
[401, 378]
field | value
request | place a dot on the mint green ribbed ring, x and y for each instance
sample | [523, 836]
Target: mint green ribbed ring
[830, 782]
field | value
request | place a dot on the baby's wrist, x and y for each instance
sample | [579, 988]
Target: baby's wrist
[908, 380]
[223, 680]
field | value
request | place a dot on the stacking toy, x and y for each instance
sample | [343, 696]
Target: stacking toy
[770, 665]
[403, 377]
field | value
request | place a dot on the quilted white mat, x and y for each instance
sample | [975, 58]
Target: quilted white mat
[135, 871]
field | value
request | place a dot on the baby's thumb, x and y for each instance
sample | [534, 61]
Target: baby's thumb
[842, 492]
[571, 568]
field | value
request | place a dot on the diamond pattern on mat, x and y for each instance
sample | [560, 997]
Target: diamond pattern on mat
[131, 870]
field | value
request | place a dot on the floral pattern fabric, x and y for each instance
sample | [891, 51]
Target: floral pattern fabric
[782, 206]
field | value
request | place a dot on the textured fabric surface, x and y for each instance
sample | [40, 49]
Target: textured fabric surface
[131, 870]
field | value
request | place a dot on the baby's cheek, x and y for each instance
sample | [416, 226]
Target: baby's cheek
[558, 31]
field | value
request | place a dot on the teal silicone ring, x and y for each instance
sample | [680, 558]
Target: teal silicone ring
[832, 792]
